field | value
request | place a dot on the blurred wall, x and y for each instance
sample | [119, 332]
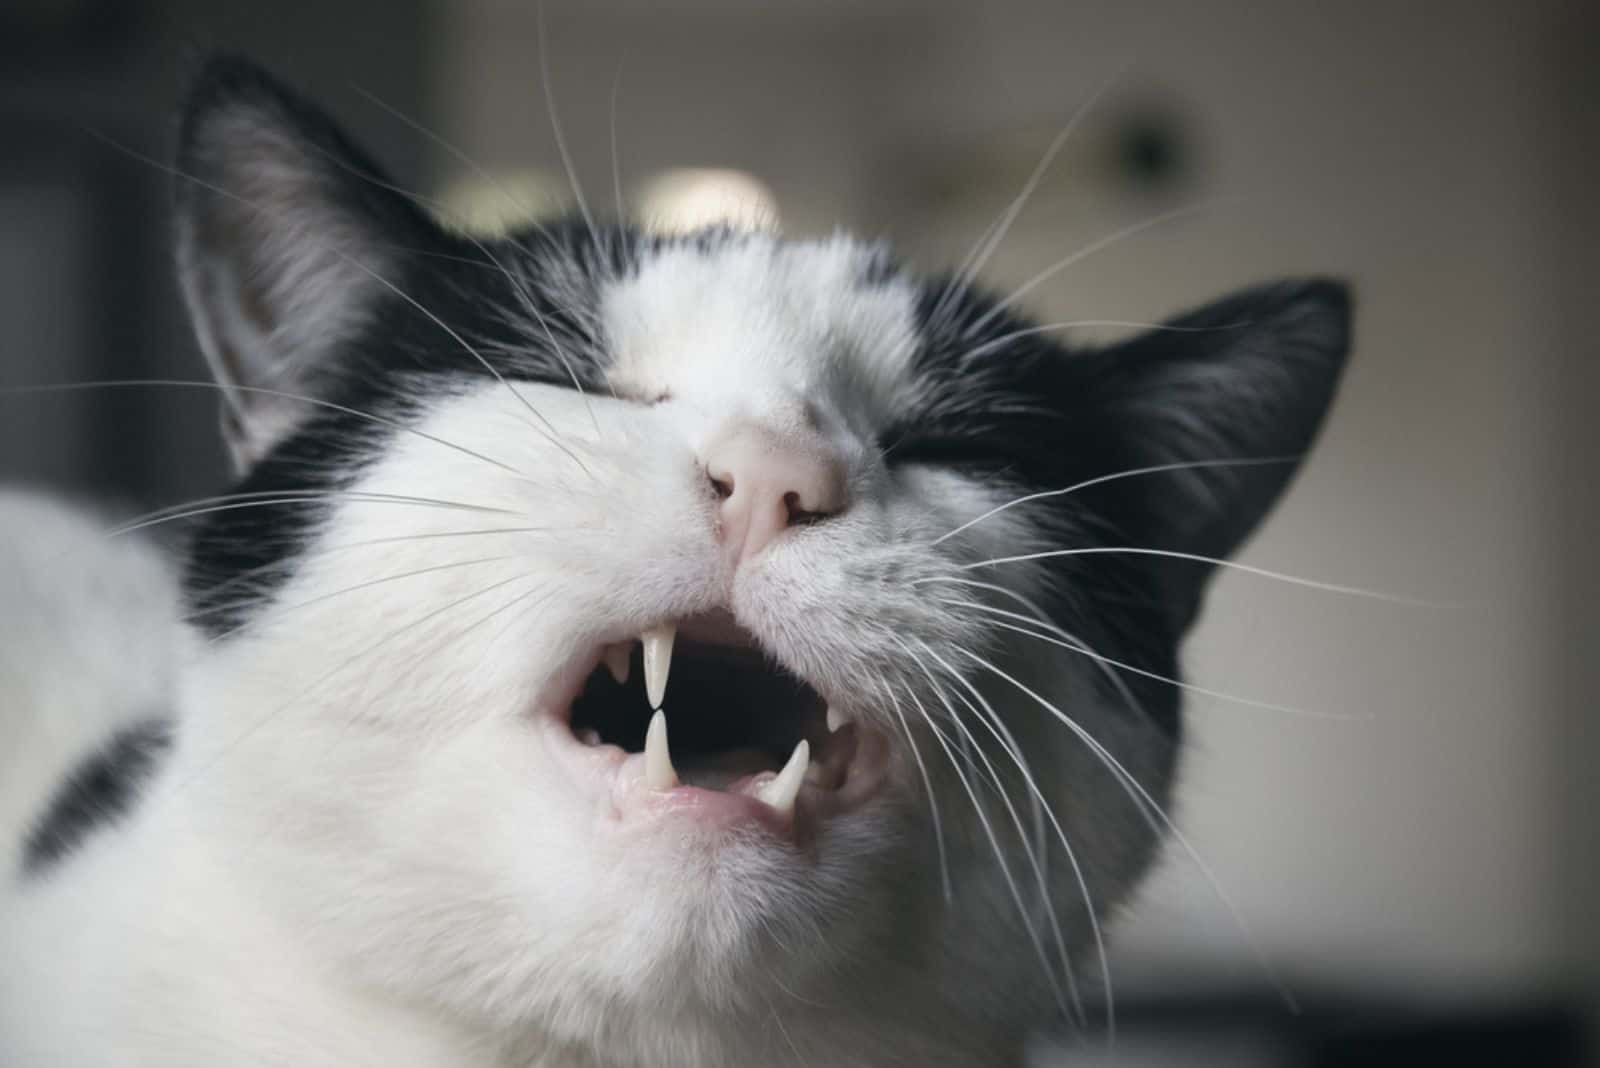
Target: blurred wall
[1420, 825]
[1573, 125]
[88, 97]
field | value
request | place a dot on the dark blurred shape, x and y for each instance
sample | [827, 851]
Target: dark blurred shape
[1152, 152]
[86, 286]
[1534, 1035]
[1255, 1030]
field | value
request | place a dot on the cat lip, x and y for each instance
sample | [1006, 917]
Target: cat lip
[847, 771]
[752, 743]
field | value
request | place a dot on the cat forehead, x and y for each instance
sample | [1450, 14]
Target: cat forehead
[757, 312]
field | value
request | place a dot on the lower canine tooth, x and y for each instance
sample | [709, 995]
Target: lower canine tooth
[658, 770]
[781, 792]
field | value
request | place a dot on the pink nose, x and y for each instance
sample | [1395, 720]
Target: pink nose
[769, 482]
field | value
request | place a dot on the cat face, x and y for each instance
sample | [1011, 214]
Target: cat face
[505, 497]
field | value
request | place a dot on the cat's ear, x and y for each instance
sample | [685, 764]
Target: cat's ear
[1248, 378]
[286, 239]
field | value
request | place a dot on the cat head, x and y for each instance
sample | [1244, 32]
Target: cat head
[890, 559]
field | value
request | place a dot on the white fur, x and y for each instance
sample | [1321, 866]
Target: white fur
[365, 851]
[88, 642]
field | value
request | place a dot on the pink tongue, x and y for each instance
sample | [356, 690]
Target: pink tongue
[719, 771]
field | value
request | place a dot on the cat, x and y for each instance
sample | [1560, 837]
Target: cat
[623, 648]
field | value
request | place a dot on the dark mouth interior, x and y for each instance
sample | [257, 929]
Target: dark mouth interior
[727, 708]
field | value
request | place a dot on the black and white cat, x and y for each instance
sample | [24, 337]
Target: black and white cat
[905, 577]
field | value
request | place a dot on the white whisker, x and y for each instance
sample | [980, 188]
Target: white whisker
[549, 432]
[423, 662]
[243, 577]
[1112, 677]
[524, 296]
[524, 211]
[997, 727]
[1151, 810]
[996, 233]
[261, 721]
[555, 127]
[994, 841]
[616, 161]
[445, 640]
[1186, 465]
[184, 383]
[276, 613]
[1033, 855]
[1072, 324]
[927, 783]
[1174, 554]
[1089, 250]
[553, 435]
[306, 493]
[1078, 645]
[301, 498]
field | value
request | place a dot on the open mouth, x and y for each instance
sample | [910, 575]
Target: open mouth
[747, 738]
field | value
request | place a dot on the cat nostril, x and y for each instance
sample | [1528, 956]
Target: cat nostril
[766, 482]
[798, 514]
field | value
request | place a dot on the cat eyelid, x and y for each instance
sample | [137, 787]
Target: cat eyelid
[942, 451]
[641, 397]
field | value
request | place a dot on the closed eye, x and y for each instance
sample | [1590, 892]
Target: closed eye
[647, 398]
[947, 450]
[994, 434]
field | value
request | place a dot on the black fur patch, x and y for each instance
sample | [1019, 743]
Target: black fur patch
[99, 791]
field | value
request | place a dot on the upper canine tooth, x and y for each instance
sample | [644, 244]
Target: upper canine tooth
[657, 642]
[781, 792]
[616, 658]
[836, 719]
[658, 770]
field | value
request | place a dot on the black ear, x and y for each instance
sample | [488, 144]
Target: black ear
[1249, 377]
[286, 239]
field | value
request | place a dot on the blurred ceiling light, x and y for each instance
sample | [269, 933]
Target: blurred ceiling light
[489, 204]
[686, 199]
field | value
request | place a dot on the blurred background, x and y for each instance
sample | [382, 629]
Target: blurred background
[1416, 855]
